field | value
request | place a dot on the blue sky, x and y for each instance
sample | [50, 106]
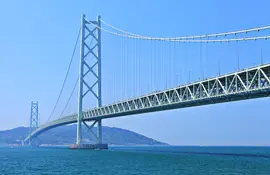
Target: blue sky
[37, 38]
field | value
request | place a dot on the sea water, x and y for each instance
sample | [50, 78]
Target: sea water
[143, 160]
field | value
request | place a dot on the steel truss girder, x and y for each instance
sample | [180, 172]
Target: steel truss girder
[240, 85]
[258, 80]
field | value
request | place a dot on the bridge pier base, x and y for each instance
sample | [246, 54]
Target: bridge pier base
[88, 146]
[98, 136]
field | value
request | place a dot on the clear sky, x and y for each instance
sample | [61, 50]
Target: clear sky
[37, 38]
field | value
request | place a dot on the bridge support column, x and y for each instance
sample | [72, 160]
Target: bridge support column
[33, 119]
[81, 82]
[99, 130]
[90, 48]
[79, 131]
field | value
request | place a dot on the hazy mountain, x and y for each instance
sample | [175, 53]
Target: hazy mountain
[67, 135]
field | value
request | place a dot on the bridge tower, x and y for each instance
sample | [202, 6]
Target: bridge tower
[33, 118]
[90, 65]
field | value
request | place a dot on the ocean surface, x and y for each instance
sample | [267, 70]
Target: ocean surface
[137, 160]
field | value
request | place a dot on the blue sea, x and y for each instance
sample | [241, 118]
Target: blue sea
[135, 160]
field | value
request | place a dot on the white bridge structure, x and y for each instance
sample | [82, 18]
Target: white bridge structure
[242, 85]
[239, 85]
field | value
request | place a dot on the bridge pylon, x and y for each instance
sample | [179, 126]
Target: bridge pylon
[90, 65]
[34, 120]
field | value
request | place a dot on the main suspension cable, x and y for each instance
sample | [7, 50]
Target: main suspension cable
[74, 87]
[190, 37]
[65, 79]
[191, 40]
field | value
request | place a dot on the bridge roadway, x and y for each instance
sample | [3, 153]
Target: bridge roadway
[241, 85]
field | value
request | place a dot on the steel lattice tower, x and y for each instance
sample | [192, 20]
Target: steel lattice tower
[90, 64]
[33, 118]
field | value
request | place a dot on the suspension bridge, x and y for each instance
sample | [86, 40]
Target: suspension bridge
[244, 84]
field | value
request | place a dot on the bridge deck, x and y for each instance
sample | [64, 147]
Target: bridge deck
[240, 85]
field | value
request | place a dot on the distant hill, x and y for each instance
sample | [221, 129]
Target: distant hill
[67, 135]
